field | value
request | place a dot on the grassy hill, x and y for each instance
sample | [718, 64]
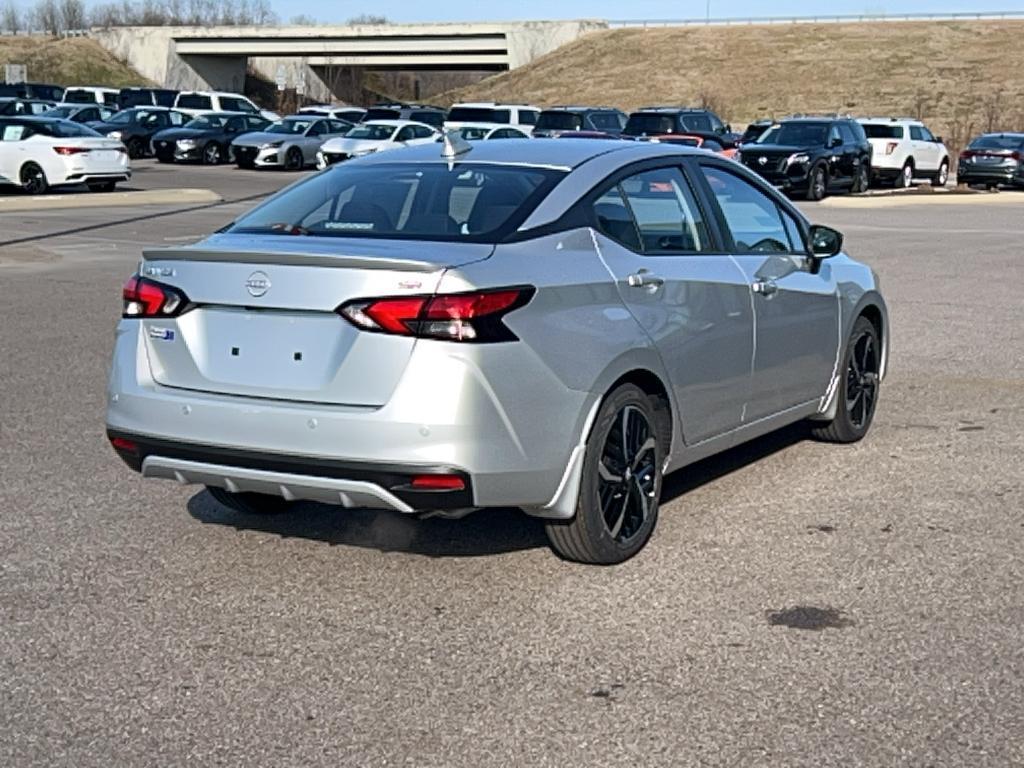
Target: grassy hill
[962, 76]
[69, 61]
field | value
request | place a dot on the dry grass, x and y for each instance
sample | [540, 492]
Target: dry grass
[71, 61]
[949, 73]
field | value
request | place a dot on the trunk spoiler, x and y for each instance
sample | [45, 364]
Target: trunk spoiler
[293, 258]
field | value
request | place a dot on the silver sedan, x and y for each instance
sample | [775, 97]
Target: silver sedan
[539, 324]
[291, 143]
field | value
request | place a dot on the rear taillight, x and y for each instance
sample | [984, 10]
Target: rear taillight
[148, 298]
[1015, 156]
[966, 154]
[70, 150]
[891, 147]
[472, 317]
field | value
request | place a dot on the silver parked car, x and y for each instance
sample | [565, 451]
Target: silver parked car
[545, 325]
[291, 143]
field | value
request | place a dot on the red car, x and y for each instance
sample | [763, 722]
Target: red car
[691, 140]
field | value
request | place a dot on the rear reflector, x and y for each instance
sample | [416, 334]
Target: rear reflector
[438, 483]
[123, 444]
[472, 317]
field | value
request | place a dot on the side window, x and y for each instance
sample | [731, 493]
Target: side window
[15, 132]
[422, 132]
[176, 118]
[927, 135]
[501, 116]
[319, 128]
[244, 105]
[235, 124]
[834, 137]
[753, 218]
[405, 134]
[915, 133]
[256, 123]
[615, 220]
[847, 133]
[796, 238]
[110, 99]
[716, 125]
[666, 212]
[527, 117]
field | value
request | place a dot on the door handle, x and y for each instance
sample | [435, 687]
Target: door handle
[765, 287]
[644, 279]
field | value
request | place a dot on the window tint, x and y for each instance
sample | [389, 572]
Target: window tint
[606, 121]
[380, 113]
[700, 123]
[235, 124]
[256, 123]
[796, 134]
[405, 134]
[406, 200]
[752, 217]
[527, 117]
[915, 133]
[76, 96]
[615, 220]
[847, 133]
[422, 132]
[194, 101]
[556, 120]
[501, 116]
[430, 117]
[716, 125]
[338, 126]
[110, 99]
[883, 131]
[665, 212]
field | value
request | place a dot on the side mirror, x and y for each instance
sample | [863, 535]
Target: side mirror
[836, 142]
[728, 127]
[939, 140]
[825, 241]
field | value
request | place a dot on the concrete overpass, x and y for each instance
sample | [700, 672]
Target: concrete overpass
[217, 57]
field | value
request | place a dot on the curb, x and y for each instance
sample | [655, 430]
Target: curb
[108, 200]
[888, 201]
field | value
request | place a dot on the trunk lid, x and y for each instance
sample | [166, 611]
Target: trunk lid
[264, 324]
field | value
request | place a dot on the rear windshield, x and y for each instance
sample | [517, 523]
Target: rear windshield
[133, 98]
[62, 129]
[883, 131]
[649, 124]
[293, 127]
[193, 101]
[998, 142]
[559, 121]
[61, 112]
[796, 135]
[74, 96]
[464, 203]
[430, 117]
[377, 113]
[372, 132]
[206, 122]
[473, 132]
[475, 115]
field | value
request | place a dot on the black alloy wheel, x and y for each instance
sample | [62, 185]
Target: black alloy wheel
[817, 185]
[212, 154]
[33, 180]
[861, 180]
[858, 391]
[293, 160]
[136, 149]
[620, 486]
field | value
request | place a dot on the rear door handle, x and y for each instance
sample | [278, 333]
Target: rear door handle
[765, 287]
[644, 279]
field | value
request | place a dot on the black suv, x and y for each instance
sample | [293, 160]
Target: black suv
[661, 121]
[554, 121]
[420, 113]
[812, 156]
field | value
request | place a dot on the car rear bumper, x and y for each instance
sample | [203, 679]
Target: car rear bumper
[972, 174]
[454, 411]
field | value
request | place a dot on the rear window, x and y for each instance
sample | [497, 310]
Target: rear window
[883, 131]
[998, 142]
[464, 203]
[551, 120]
[133, 98]
[76, 96]
[797, 134]
[700, 123]
[378, 113]
[649, 124]
[473, 115]
[430, 117]
[193, 101]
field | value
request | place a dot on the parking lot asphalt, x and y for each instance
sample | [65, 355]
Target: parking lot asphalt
[800, 604]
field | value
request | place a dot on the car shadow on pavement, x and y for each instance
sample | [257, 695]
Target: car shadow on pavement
[483, 533]
[487, 532]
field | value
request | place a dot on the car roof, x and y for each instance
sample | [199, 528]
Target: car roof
[670, 110]
[492, 104]
[578, 108]
[550, 153]
[95, 88]
[1003, 135]
[889, 120]
[395, 123]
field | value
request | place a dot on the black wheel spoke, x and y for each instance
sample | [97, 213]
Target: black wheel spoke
[627, 475]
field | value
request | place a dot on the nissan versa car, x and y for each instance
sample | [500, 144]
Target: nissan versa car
[550, 325]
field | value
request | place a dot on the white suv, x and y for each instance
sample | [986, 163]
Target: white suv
[204, 102]
[905, 150]
[523, 116]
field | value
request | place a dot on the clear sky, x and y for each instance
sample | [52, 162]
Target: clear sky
[475, 10]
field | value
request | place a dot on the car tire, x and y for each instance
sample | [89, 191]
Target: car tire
[213, 154]
[250, 503]
[136, 149]
[615, 513]
[861, 180]
[33, 179]
[817, 183]
[293, 160]
[942, 177]
[905, 178]
[858, 388]
[102, 186]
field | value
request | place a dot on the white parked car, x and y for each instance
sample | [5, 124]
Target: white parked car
[197, 103]
[37, 153]
[335, 111]
[523, 116]
[488, 131]
[374, 136]
[905, 150]
[90, 94]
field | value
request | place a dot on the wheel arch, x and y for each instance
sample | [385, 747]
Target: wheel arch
[871, 306]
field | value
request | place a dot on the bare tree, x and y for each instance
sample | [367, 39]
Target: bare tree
[10, 18]
[72, 14]
[46, 16]
[368, 19]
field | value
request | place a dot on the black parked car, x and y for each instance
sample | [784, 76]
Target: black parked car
[420, 113]
[755, 131]
[136, 127]
[17, 107]
[40, 91]
[146, 97]
[993, 159]
[812, 156]
[555, 121]
[205, 139]
[661, 121]
[80, 113]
